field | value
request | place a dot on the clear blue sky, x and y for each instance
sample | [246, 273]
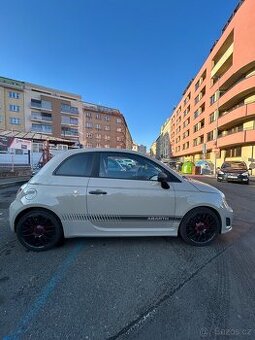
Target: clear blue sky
[135, 55]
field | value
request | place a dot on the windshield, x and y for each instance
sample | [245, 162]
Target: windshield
[236, 165]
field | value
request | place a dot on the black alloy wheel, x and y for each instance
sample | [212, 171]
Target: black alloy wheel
[39, 230]
[200, 227]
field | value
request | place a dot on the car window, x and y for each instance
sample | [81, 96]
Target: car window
[236, 165]
[135, 167]
[76, 165]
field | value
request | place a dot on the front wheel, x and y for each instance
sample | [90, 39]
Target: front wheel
[39, 230]
[200, 227]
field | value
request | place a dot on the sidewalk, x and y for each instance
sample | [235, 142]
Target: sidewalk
[12, 181]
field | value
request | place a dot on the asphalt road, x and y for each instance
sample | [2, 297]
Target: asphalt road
[132, 288]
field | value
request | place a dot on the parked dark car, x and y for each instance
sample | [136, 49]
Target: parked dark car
[233, 171]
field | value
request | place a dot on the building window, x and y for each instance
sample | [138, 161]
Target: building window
[212, 117]
[196, 99]
[187, 99]
[89, 125]
[89, 145]
[118, 120]
[98, 145]
[98, 116]
[14, 108]
[185, 134]
[98, 126]
[119, 139]
[199, 125]
[14, 95]
[89, 135]
[213, 99]
[107, 137]
[186, 111]
[88, 114]
[107, 146]
[210, 136]
[107, 118]
[119, 130]
[197, 85]
[234, 152]
[14, 121]
[107, 128]
[186, 122]
[74, 121]
[1, 118]
[98, 136]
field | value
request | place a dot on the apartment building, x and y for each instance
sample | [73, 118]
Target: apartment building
[215, 118]
[153, 149]
[12, 113]
[52, 112]
[165, 146]
[28, 107]
[104, 127]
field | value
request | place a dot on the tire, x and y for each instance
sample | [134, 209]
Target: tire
[200, 227]
[247, 183]
[39, 230]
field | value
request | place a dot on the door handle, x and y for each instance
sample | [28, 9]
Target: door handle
[98, 192]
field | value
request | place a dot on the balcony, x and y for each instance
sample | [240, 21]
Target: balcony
[68, 109]
[41, 118]
[241, 137]
[237, 114]
[41, 104]
[69, 132]
[238, 91]
[41, 128]
[220, 66]
[69, 122]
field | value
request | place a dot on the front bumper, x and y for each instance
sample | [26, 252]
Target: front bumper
[15, 208]
[233, 178]
[226, 219]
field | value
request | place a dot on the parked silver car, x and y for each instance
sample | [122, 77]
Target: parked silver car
[80, 193]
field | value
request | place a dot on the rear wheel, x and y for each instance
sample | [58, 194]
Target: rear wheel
[200, 227]
[39, 230]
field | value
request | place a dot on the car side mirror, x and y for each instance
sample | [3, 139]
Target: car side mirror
[162, 178]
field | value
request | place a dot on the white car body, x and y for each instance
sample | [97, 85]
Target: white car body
[125, 207]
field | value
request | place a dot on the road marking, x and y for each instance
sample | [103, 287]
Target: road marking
[43, 297]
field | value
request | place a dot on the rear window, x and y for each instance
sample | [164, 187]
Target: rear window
[79, 165]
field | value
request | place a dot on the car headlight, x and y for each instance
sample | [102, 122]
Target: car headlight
[221, 172]
[246, 173]
[224, 203]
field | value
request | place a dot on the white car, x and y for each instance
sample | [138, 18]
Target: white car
[79, 193]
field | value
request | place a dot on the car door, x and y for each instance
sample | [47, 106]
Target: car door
[131, 198]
